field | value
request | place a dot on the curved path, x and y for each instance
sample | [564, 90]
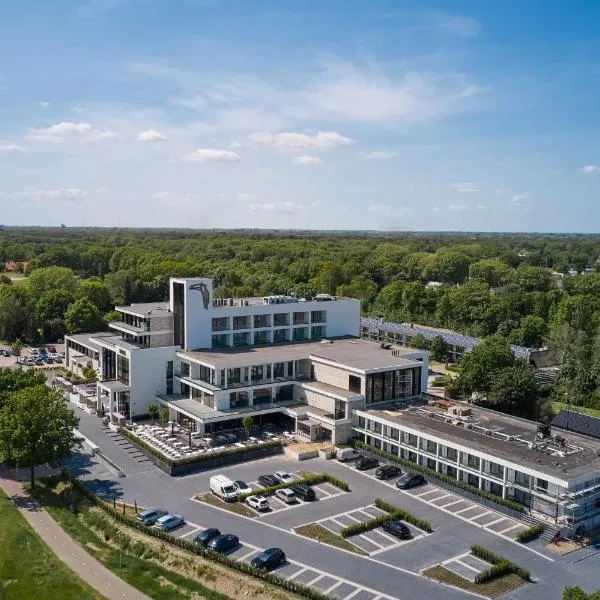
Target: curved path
[64, 546]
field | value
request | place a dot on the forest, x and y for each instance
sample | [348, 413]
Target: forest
[531, 290]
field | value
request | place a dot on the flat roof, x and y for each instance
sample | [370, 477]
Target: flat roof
[146, 309]
[581, 453]
[354, 353]
[319, 386]
[85, 339]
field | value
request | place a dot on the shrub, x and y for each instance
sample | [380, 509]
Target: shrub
[504, 566]
[453, 368]
[531, 533]
[400, 513]
[441, 477]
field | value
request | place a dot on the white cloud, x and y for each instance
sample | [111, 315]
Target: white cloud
[590, 169]
[277, 207]
[192, 102]
[5, 147]
[457, 207]
[457, 24]
[366, 94]
[465, 187]
[244, 196]
[151, 135]
[43, 103]
[307, 160]
[520, 199]
[379, 155]
[204, 155]
[60, 132]
[296, 141]
[57, 195]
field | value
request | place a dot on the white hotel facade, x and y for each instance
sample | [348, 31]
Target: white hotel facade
[213, 361]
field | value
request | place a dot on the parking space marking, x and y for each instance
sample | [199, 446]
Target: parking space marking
[451, 503]
[462, 510]
[511, 527]
[483, 514]
[464, 564]
[423, 494]
[313, 581]
[496, 521]
[336, 521]
[294, 575]
[439, 497]
[196, 530]
[332, 587]
[353, 518]
[371, 541]
[356, 591]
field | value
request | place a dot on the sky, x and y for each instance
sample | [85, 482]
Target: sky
[323, 114]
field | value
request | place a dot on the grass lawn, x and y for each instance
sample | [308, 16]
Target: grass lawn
[321, 534]
[491, 589]
[28, 569]
[235, 507]
[556, 406]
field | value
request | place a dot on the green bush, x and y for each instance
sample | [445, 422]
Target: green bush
[441, 477]
[439, 382]
[399, 513]
[531, 533]
[245, 568]
[494, 572]
[310, 479]
[193, 459]
[504, 566]
[453, 368]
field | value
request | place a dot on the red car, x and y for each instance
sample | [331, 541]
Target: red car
[51, 349]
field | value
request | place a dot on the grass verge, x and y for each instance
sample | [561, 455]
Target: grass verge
[490, 589]
[28, 568]
[321, 534]
[593, 412]
[235, 507]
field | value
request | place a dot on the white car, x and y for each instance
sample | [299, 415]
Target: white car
[259, 503]
[284, 477]
[242, 487]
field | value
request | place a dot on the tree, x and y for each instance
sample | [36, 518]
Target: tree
[575, 593]
[494, 272]
[37, 426]
[514, 391]
[480, 366]
[247, 422]
[53, 304]
[152, 411]
[419, 341]
[89, 373]
[82, 316]
[52, 278]
[438, 349]
[17, 347]
[448, 267]
[164, 414]
[96, 292]
[5, 279]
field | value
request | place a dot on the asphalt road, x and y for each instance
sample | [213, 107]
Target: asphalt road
[392, 572]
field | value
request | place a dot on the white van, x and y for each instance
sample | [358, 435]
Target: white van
[223, 488]
[346, 454]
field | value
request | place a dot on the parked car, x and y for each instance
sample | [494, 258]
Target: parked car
[242, 487]
[34, 351]
[226, 542]
[303, 491]
[410, 480]
[268, 480]
[366, 462]
[286, 495]
[51, 349]
[259, 503]
[269, 559]
[58, 360]
[169, 522]
[151, 515]
[204, 537]
[48, 360]
[346, 454]
[284, 476]
[6, 353]
[223, 487]
[39, 362]
[388, 471]
[397, 529]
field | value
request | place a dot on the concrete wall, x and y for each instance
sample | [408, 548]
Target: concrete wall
[331, 375]
[319, 400]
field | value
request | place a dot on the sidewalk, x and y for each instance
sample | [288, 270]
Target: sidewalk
[65, 548]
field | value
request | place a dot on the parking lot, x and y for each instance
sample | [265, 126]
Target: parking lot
[372, 542]
[466, 565]
[455, 505]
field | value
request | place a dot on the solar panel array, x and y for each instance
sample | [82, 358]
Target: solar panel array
[450, 337]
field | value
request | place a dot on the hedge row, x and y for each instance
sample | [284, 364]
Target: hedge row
[312, 479]
[400, 513]
[500, 566]
[193, 459]
[245, 568]
[531, 533]
[441, 477]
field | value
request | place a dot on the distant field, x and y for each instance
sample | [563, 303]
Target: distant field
[28, 569]
[556, 406]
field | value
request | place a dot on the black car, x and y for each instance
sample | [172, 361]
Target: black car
[269, 559]
[397, 529]
[387, 471]
[224, 543]
[303, 491]
[268, 480]
[410, 480]
[366, 462]
[204, 537]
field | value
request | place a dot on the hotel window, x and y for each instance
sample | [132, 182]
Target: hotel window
[354, 383]
[257, 373]
[241, 322]
[123, 369]
[185, 369]
[233, 376]
[279, 370]
[220, 324]
[451, 453]
[521, 479]
[260, 337]
[261, 321]
[542, 485]
[281, 320]
[300, 318]
[169, 386]
[361, 422]
[340, 410]
[318, 316]
[472, 461]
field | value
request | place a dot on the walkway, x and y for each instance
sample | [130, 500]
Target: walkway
[65, 548]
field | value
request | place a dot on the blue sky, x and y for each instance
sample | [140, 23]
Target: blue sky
[337, 114]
